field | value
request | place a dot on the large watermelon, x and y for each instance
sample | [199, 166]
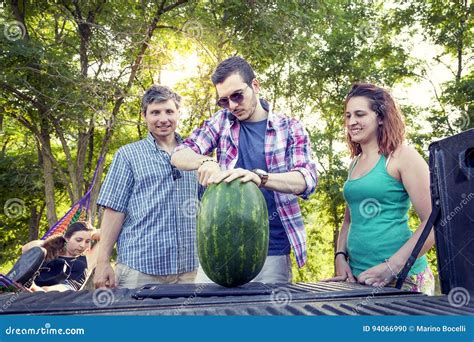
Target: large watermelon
[232, 232]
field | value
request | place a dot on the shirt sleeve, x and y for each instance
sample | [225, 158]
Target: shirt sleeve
[299, 156]
[117, 188]
[205, 138]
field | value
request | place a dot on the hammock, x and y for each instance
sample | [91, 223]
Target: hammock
[78, 212]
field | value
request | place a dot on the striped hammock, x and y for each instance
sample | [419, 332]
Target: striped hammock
[79, 211]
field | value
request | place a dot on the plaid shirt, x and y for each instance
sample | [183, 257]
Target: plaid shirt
[287, 148]
[158, 235]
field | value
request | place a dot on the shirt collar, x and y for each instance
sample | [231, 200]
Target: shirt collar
[265, 105]
[151, 139]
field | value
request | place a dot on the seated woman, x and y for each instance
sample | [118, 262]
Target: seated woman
[375, 241]
[69, 257]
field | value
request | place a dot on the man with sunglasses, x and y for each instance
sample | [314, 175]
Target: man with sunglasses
[254, 144]
[146, 200]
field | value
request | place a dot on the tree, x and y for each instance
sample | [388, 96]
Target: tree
[60, 78]
[21, 193]
[448, 24]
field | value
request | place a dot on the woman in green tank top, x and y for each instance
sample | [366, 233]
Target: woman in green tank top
[385, 176]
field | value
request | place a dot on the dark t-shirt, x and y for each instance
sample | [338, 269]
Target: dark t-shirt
[54, 272]
[78, 271]
[252, 156]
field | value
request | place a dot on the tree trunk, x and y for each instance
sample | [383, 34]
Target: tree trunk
[33, 223]
[460, 44]
[82, 144]
[48, 173]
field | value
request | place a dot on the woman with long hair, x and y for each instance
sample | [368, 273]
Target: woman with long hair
[385, 175]
[69, 258]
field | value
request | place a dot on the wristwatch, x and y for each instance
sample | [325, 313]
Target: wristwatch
[263, 176]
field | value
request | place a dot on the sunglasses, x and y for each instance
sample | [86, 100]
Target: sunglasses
[176, 173]
[236, 97]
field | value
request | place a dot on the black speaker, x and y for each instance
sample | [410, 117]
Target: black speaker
[452, 187]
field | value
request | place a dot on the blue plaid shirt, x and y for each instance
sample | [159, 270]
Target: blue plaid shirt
[158, 235]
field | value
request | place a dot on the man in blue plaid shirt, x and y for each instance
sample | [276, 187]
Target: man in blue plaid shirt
[149, 205]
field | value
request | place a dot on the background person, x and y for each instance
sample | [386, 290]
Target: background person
[69, 258]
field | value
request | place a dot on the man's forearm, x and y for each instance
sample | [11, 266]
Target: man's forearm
[288, 182]
[109, 232]
[187, 160]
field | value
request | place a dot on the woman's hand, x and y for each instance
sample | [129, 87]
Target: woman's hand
[31, 244]
[378, 276]
[343, 271]
[95, 235]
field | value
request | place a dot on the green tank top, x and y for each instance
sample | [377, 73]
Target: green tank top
[378, 205]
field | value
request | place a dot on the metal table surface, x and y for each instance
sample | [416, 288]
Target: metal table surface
[202, 299]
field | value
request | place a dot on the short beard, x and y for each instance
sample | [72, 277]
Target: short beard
[254, 106]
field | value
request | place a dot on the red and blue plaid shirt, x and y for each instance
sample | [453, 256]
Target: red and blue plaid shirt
[287, 148]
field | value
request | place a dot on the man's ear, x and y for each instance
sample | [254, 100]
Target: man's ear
[256, 85]
[143, 114]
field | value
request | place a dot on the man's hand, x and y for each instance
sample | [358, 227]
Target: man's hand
[229, 175]
[104, 275]
[206, 170]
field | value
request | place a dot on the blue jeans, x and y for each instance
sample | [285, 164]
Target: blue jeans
[277, 269]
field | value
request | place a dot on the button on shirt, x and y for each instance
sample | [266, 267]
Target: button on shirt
[158, 235]
[287, 148]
